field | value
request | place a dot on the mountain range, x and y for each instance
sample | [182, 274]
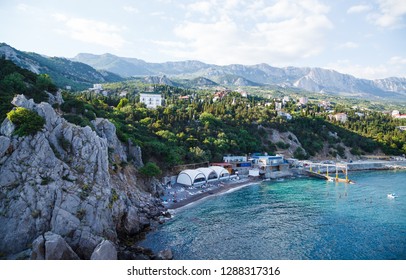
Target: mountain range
[307, 78]
[64, 72]
[86, 69]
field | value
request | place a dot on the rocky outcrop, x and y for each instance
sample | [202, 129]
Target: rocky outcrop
[105, 251]
[52, 246]
[71, 181]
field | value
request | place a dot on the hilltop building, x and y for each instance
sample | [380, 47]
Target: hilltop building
[285, 115]
[303, 100]
[340, 117]
[397, 115]
[151, 99]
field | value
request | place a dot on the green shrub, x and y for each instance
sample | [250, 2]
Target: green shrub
[150, 170]
[27, 122]
[78, 120]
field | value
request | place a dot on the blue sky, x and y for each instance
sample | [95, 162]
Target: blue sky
[364, 38]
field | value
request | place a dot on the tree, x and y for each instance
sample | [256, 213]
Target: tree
[150, 170]
[44, 82]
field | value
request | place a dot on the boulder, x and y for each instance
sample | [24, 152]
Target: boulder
[104, 251]
[51, 246]
[165, 254]
[38, 248]
[56, 248]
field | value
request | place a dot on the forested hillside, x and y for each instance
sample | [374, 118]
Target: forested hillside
[200, 128]
[203, 126]
[15, 80]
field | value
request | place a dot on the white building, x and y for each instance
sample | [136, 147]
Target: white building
[235, 158]
[285, 115]
[303, 100]
[340, 117]
[152, 100]
[97, 87]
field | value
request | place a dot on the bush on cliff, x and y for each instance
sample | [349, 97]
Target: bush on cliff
[150, 170]
[27, 122]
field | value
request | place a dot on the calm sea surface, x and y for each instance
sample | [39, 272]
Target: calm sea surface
[294, 219]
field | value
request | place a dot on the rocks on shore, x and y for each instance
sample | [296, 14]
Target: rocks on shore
[70, 187]
[140, 253]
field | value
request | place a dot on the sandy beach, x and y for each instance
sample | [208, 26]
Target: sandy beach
[227, 186]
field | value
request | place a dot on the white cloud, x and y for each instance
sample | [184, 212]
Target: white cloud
[394, 67]
[91, 31]
[130, 9]
[348, 45]
[391, 13]
[203, 7]
[252, 32]
[359, 9]
[397, 60]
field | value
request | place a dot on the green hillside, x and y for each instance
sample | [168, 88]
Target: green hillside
[15, 80]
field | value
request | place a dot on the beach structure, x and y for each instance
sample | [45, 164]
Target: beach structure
[225, 165]
[221, 172]
[317, 170]
[209, 173]
[191, 177]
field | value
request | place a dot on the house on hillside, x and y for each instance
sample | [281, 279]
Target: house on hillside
[151, 99]
[397, 115]
[303, 100]
[285, 115]
[340, 117]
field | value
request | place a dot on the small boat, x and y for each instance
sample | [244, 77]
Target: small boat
[392, 195]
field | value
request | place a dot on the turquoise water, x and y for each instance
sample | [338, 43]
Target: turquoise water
[294, 219]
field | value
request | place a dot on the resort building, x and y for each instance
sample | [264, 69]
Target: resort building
[151, 99]
[235, 164]
[235, 158]
[270, 166]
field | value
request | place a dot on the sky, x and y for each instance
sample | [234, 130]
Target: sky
[366, 39]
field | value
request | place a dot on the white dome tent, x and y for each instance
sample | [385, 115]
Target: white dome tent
[221, 172]
[189, 177]
[209, 173]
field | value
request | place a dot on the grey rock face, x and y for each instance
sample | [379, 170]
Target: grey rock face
[4, 145]
[104, 251]
[61, 180]
[7, 128]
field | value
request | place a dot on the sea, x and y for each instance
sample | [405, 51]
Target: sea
[293, 219]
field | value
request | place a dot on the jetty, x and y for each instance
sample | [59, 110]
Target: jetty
[317, 170]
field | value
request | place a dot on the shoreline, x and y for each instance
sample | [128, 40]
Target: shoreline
[228, 186]
[220, 190]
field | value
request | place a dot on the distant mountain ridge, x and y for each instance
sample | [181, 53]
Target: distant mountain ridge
[64, 72]
[307, 78]
[80, 72]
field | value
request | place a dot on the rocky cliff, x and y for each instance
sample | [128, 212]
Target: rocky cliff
[75, 183]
